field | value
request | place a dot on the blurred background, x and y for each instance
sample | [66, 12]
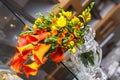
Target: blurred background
[105, 20]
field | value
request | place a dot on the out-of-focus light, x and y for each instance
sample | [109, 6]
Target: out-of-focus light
[5, 17]
[12, 25]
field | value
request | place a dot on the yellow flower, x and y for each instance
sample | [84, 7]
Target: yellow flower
[53, 28]
[76, 34]
[73, 50]
[86, 16]
[75, 20]
[35, 27]
[80, 23]
[68, 14]
[38, 20]
[61, 21]
[72, 43]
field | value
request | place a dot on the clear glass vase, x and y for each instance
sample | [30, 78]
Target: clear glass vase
[85, 62]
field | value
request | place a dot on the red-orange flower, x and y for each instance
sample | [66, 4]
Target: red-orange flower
[22, 40]
[17, 61]
[61, 35]
[57, 56]
[28, 39]
[54, 21]
[71, 36]
[59, 41]
[32, 68]
[54, 32]
[28, 70]
[65, 31]
[78, 27]
[40, 50]
[39, 31]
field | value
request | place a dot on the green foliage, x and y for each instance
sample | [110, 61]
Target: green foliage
[87, 58]
[51, 39]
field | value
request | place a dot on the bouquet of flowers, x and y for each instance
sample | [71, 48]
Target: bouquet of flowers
[50, 36]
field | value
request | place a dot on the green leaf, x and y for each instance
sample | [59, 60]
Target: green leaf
[54, 45]
[79, 45]
[48, 20]
[40, 25]
[47, 40]
[26, 32]
[51, 39]
[84, 60]
[87, 57]
[92, 4]
[65, 40]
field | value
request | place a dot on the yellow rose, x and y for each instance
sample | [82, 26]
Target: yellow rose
[34, 26]
[61, 21]
[53, 28]
[73, 50]
[72, 43]
[67, 14]
[75, 20]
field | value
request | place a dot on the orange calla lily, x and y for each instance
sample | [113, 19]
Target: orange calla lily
[22, 41]
[29, 71]
[57, 56]
[32, 69]
[28, 39]
[39, 31]
[36, 38]
[38, 61]
[24, 48]
[40, 50]
[17, 61]
[42, 36]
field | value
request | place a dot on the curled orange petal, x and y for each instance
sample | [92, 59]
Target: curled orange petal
[29, 71]
[40, 50]
[57, 56]
[17, 62]
[22, 41]
[38, 61]
[24, 48]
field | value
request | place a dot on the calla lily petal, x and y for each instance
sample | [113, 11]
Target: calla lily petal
[41, 50]
[24, 48]
[57, 56]
[22, 41]
[29, 71]
[38, 61]
[17, 61]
